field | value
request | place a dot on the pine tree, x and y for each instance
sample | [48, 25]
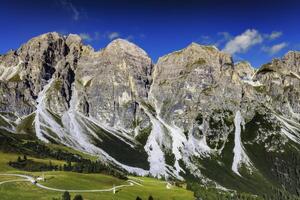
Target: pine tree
[150, 198]
[66, 196]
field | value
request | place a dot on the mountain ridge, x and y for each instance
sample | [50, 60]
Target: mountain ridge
[77, 38]
[170, 119]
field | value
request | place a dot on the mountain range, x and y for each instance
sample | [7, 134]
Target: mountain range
[195, 115]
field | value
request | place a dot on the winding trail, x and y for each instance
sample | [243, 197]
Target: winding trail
[32, 180]
[10, 181]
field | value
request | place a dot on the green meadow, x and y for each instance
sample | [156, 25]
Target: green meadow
[80, 181]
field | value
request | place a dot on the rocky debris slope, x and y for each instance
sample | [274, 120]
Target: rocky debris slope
[163, 119]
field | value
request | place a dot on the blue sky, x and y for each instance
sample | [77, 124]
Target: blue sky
[256, 31]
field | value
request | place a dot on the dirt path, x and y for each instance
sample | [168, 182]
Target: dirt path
[32, 180]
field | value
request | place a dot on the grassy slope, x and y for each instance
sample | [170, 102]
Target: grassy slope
[73, 151]
[70, 180]
[273, 164]
[6, 157]
[218, 168]
[261, 181]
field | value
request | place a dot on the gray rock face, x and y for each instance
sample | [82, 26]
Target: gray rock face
[280, 80]
[197, 86]
[112, 102]
[197, 79]
[111, 83]
[244, 70]
[25, 72]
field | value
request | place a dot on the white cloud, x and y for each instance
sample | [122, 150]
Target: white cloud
[87, 37]
[95, 36]
[113, 35]
[206, 40]
[274, 35]
[275, 48]
[216, 40]
[68, 5]
[243, 42]
[225, 35]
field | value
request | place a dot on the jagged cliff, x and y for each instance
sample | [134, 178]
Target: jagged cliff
[193, 111]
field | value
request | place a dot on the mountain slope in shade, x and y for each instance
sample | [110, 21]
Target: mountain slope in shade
[195, 115]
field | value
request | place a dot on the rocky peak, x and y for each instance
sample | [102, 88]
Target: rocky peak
[292, 55]
[289, 63]
[186, 80]
[279, 83]
[73, 39]
[112, 81]
[121, 46]
[30, 68]
[193, 52]
[292, 61]
[195, 45]
[244, 70]
[41, 42]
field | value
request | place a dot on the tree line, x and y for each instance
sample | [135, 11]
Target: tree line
[66, 196]
[82, 166]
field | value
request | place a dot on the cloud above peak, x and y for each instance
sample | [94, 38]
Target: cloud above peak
[275, 48]
[86, 37]
[274, 35]
[69, 6]
[252, 37]
[107, 36]
[243, 42]
[113, 35]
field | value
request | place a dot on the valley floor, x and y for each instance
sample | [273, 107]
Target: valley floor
[17, 185]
